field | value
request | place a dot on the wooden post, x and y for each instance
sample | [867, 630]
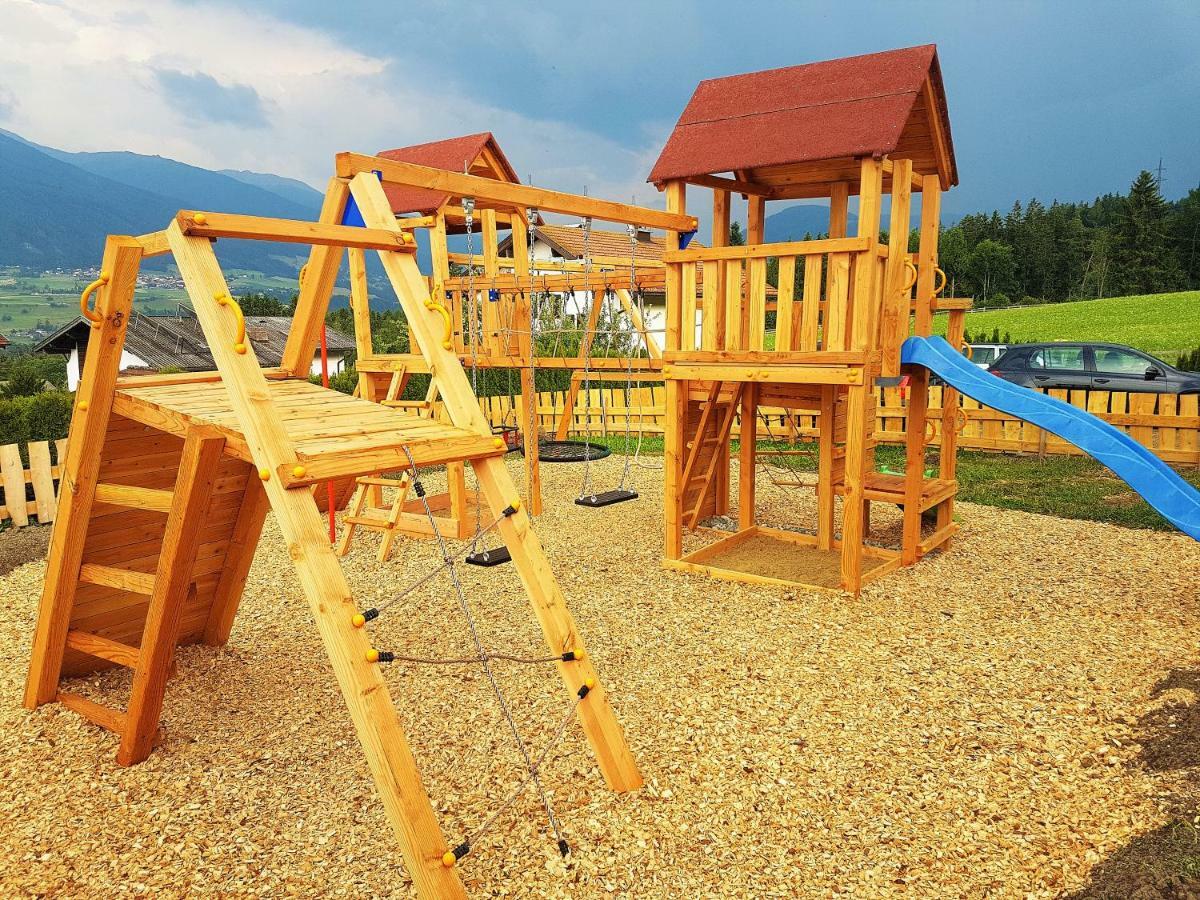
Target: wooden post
[202, 449]
[714, 275]
[825, 451]
[746, 455]
[894, 324]
[948, 457]
[914, 463]
[238, 558]
[675, 408]
[523, 318]
[927, 254]
[77, 485]
[860, 398]
[315, 289]
[600, 726]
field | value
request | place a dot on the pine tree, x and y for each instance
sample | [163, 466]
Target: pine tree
[1146, 265]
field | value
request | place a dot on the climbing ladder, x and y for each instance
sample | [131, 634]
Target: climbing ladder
[710, 433]
[168, 480]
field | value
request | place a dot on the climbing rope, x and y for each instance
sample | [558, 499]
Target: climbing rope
[484, 659]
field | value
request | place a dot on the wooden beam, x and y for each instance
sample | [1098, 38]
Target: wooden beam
[89, 422]
[198, 464]
[291, 231]
[517, 195]
[316, 288]
[730, 185]
[752, 251]
[238, 558]
[329, 597]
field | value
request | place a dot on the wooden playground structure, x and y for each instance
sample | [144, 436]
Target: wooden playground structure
[168, 478]
[868, 126]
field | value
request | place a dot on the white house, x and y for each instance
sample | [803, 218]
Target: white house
[160, 342]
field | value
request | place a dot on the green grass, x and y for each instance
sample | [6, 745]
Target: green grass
[1164, 325]
[1070, 487]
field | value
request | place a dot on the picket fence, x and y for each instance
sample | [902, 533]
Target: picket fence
[1167, 424]
[29, 492]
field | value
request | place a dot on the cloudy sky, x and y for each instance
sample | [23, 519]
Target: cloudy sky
[1063, 99]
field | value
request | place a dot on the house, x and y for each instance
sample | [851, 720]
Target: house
[3, 342]
[154, 343]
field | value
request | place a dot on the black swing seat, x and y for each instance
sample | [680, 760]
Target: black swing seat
[606, 498]
[489, 558]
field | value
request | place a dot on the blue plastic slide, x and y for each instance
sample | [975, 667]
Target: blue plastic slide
[1158, 483]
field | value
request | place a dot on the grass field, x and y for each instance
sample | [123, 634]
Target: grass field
[1164, 325]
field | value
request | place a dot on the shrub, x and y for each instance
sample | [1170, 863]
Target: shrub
[48, 416]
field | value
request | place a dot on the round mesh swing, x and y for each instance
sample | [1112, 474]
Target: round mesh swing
[569, 451]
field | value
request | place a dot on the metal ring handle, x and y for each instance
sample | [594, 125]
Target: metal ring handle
[94, 317]
[912, 277]
[968, 351]
[938, 286]
[239, 344]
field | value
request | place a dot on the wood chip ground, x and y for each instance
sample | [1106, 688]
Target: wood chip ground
[1003, 720]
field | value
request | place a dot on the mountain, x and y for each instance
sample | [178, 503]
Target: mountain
[793, 222]
[57, 207]
[288, 188]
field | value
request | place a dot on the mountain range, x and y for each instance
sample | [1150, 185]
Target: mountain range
[56, 207]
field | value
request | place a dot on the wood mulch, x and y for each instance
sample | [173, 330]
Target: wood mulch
[1007, 719]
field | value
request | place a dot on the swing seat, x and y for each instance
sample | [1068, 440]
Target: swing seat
[606, 498]
[489, 558]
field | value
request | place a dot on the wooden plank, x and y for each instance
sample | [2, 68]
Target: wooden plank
[896, 303]
[517, 195]
[762, 251]
[291, 231]
[238, 557]
[104, 716]
[13, 472]
[320, 272]
[746, 456]
[103, 647]
[89, 421]
[42, 479]
[786, 295]
[756, 276]
[927, 255]
[134, 497]
[330, 600]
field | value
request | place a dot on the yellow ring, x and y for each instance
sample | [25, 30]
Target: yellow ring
[434, 305]
[94, 317]
[239, 343]
[912, 278]
[938, 287]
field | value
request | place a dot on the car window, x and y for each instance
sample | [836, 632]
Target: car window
[983, 355]
[1120, 362]
[1057, 358]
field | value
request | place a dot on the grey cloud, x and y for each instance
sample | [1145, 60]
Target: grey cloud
[197, 93]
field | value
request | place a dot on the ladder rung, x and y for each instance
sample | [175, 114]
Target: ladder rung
[111, 576]
[134, 497]
[381, 482]
[104, 716]
[407, 404]
[368, 522]
[104, 648]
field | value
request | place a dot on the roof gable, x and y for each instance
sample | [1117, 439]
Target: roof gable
[842, 108]
[478, 154]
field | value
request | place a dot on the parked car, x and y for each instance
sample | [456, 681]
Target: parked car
[983, 355]
[1107, 367]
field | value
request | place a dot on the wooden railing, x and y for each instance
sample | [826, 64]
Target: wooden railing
[732, 311]
[1167, 424]
[40, 479]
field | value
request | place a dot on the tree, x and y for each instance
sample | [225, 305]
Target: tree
[263, 305]
[737, 237]
[992, 266]
[1140, 234]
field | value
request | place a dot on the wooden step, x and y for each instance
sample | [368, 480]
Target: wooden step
[380, 482]
[104, 716]
[104, 648]
[111, 576]
[134, 497]
[407, 404]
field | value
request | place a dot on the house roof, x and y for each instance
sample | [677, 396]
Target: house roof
[856, 106]
[567, 241]
[478, 153]
[3, 341]
[178, 342]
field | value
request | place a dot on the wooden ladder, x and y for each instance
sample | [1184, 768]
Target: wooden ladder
[720, 435]
[361, 515]
[167, 589]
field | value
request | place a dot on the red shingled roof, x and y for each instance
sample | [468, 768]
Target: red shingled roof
[451, 154]
[856, 106]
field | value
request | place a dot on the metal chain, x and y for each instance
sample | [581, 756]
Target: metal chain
[585, 488]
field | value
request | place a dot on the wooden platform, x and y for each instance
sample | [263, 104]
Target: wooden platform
[886, 488]
[333, 434]
[759, 555]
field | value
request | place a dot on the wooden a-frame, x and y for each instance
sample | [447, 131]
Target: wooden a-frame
[211, 452]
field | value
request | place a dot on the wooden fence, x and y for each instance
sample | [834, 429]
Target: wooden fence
[1167, 424]
[29, 492]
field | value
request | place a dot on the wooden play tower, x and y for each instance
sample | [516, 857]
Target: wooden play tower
[168, 480]
[867, 127]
